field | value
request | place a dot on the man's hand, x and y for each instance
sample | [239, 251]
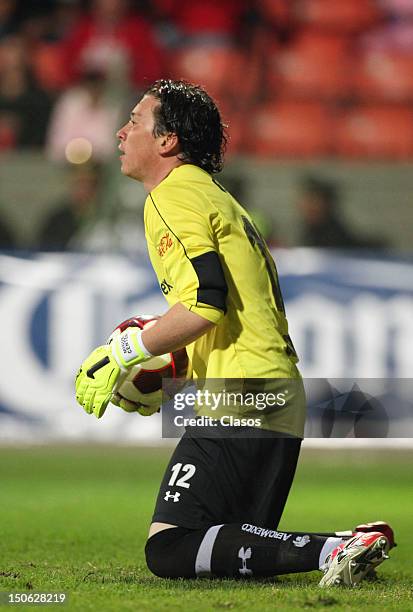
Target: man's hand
[98, 375]
[129, 406]
[96, 379]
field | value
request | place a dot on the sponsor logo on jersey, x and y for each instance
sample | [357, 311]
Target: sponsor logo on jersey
[301, 541]
[166, 287]
[165, 243]
[266, 533]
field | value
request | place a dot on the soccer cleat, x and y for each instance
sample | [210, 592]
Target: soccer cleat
[354, 559]
[381, 526]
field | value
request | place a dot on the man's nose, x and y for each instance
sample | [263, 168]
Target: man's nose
[121, 133]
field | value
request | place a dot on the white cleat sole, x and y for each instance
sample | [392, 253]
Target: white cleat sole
[353, 564]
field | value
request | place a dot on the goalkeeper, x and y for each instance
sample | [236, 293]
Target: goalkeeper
[222, 496]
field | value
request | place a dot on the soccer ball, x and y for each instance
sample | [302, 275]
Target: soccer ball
[143, 383]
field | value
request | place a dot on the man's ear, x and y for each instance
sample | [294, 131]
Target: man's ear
[168, 144]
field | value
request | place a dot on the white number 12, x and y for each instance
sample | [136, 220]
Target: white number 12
[190, 471]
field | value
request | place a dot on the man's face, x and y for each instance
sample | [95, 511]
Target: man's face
[138, 145]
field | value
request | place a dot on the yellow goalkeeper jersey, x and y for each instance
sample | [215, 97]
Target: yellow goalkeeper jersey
[208, 255]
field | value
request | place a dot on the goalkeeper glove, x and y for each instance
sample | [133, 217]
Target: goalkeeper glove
[105, 367]
[129, 406]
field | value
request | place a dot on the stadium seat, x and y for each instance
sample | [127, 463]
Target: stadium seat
[384, 75]
[378, 132]
[323, 43]
[48, 66]
[340, 15]
[203, 17]
[277, 12]
[290, 129]
[220, 69]
[310, 68]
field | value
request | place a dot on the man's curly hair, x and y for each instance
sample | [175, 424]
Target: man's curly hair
[190, 113]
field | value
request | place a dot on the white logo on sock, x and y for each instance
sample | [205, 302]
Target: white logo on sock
[301, 541]
[244, 554]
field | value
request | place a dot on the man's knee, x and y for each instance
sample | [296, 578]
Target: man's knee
[158, 552]
[171, 553]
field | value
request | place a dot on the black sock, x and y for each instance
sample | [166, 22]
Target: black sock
[233, 550]
[249, 550]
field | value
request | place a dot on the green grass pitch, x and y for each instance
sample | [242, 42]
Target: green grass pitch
[75, 520]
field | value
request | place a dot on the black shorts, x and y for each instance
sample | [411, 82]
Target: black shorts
[231, 479]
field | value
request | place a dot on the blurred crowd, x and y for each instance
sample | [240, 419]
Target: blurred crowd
[313, 77]
[294, 79]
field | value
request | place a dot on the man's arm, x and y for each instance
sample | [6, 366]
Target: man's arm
[98, 375]
[174, 330]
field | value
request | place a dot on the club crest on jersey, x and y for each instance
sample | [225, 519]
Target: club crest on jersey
[165, 243]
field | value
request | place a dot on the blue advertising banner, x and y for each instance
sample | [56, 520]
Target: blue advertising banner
[350, 317]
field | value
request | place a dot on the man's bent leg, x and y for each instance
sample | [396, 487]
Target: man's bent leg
[215, 480]
[234, 550]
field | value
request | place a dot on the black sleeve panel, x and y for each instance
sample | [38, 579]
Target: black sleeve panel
[212, 288]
